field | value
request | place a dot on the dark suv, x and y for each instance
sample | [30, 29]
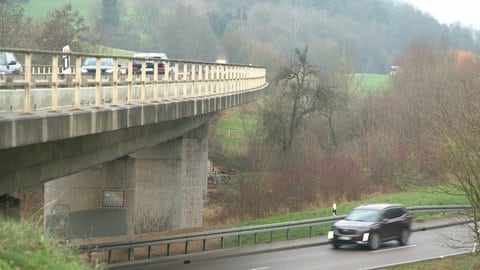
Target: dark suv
[369, 225]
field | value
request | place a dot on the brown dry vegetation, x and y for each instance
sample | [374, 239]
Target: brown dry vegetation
[388, 141]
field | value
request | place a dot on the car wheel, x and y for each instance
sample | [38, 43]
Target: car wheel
[336, 246]
[374, 241]
[404, 235]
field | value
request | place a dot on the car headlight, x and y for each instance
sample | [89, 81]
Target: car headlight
[84, 70]
[365, 237]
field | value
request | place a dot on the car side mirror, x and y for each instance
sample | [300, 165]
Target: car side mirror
[11, 63]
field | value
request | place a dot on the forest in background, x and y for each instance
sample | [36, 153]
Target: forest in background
[315, 141]
[264, 32]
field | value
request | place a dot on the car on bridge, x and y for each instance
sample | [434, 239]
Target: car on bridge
[90, 65]
[150, 59]
[9, 64]
[370, 225]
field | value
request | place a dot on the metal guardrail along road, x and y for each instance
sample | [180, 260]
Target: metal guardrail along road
[221, 235]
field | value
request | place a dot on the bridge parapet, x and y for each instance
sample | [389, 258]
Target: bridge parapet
[50, 82]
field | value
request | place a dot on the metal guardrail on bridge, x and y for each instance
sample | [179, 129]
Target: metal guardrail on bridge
[54, 86]
[221, 235]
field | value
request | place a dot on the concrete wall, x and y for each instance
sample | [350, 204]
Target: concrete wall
[164, 189]
[73, 204]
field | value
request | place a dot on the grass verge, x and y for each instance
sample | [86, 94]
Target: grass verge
[461, 262]
[22, 246]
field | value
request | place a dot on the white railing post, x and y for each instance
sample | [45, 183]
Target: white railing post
[184, 80]
[54, 82]
[175, 78]
[193, 77]
[143, 79]
[155, 80]
[27, 77]
[129, 81]
[78, 81]
[98, 78]
[115, 82]
[166, 78]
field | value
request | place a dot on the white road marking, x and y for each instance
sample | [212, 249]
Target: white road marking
[390, 249]
[261, 268]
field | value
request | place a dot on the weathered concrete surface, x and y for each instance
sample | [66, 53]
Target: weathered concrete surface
[164, 189]
[43, 146]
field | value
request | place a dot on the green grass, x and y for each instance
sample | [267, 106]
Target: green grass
[460, 262]
[368, 83]
[40, 8]
[234, 129]
[89, 9]
[22, 246]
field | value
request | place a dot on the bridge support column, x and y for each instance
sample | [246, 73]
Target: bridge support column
[171, 183]
[156, 189]
[93, 203]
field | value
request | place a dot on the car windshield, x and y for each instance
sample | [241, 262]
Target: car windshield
[3, 59]
[103, 61]
[363, 215]
[106, 62]
[90, 62]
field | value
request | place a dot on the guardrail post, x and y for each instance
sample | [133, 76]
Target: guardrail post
[54, 82]
[149, 255]
[175, 78]
[200, 79]
[192, 78]
[186, 247]
[166, 78]
[129, 81]
[168, 249]
[27, 77]
[239, 240]
[288, 234]
[222, 242]
[207, 80]
[155, 81]
[115, 82]
[78, 81]
[271, 236]
[184, 80]
[98, 78]
[143, 80]
[131, 254]
[204, 246]
[256, 237]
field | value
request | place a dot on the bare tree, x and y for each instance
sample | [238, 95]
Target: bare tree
[444, 105]
[302, 90]
[64, 26]
[15, 27]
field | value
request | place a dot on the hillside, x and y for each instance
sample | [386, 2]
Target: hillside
[372, 32]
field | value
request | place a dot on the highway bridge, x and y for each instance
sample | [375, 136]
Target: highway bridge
[114, 154]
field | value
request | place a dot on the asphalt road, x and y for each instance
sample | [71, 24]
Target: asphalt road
[309, 254]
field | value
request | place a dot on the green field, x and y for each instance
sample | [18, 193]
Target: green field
[367, 82]
[233, 130]
[89, 9]
[40, 8]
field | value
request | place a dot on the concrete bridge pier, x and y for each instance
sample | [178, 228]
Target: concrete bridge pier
[155, 189]
[171, 183]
